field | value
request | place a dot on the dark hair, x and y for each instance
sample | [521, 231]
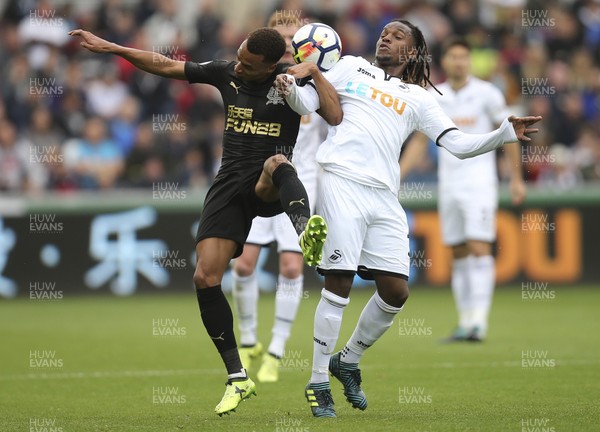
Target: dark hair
[455, 41]
[268, 43]
[417, 70]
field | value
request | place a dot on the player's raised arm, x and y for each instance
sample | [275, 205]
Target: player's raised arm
[148, 61]
[321, 98]
[464, 145]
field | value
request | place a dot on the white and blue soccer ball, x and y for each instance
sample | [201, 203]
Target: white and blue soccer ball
[318, 44]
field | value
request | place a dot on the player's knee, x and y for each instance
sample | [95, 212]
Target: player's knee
[243, 268]
[460, 251]
[480, 249]
[395, 295]
[290, 270]
[203, 279]
[291, 265]
[273, 162]
[402, 295]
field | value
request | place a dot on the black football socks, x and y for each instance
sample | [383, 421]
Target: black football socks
[218, 321]
[292, 194]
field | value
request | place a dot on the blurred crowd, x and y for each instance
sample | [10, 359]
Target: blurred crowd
[70, 119]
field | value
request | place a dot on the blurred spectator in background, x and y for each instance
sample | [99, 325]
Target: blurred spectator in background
[17, 171]
[95, 160]
[145, 151]
[124, 126]
[545, 56]
[561, 173]
[586, 153]
[106, 94]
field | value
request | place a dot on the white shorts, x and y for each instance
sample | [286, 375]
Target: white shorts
[277, 228]
[467, 214]
[367, 228]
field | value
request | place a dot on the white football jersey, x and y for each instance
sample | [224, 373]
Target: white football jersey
[313, 130]
[380, 112]
[475, 108]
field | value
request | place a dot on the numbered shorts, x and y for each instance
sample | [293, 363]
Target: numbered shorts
[368, 231]
[468, 214]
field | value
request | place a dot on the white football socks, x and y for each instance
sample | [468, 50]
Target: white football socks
[482, 275]
[245, 300]
[328, 320]
[461, 291]
[287, 300]
[376, 317]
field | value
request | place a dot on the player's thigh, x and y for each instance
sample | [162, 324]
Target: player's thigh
[291, 264]
[452, 219]
[386, 245]
[213, 257]
[342, 204]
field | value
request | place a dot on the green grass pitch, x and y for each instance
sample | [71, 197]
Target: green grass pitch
[145, 364]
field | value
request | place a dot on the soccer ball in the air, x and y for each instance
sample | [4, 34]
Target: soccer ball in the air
[318, 44]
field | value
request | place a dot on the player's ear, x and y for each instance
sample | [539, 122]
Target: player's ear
[272, 67]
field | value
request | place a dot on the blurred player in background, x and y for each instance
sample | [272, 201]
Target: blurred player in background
[468, 189]
[313, 130]
[255, 177]
[358, 192]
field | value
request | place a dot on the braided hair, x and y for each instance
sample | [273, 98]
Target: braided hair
[417, 70]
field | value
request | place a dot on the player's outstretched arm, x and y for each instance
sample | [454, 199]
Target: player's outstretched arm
[465, 146]
[148, 61]
[304, 100]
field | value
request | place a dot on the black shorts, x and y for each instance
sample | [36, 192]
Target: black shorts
[230, 206]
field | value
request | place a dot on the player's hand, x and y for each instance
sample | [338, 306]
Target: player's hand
[283, 84]
[92, 42]
[518, 190]
[303, 70]
[521, 126]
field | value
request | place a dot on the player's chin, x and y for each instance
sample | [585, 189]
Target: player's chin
[385, 59]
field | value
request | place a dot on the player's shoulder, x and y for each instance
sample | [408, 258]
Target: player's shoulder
[217, 64]
[350, 61]
[212, 68]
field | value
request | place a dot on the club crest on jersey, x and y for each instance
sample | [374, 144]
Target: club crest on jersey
[274, 98]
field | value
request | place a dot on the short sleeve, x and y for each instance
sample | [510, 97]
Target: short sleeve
[210, 72]
[496, 105]
[433, 121]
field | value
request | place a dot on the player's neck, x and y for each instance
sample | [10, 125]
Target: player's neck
[395, 71]
[457, 83]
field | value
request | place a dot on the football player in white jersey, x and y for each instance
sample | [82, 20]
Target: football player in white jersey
[264, 231]
[467, 208]
[358, 192]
